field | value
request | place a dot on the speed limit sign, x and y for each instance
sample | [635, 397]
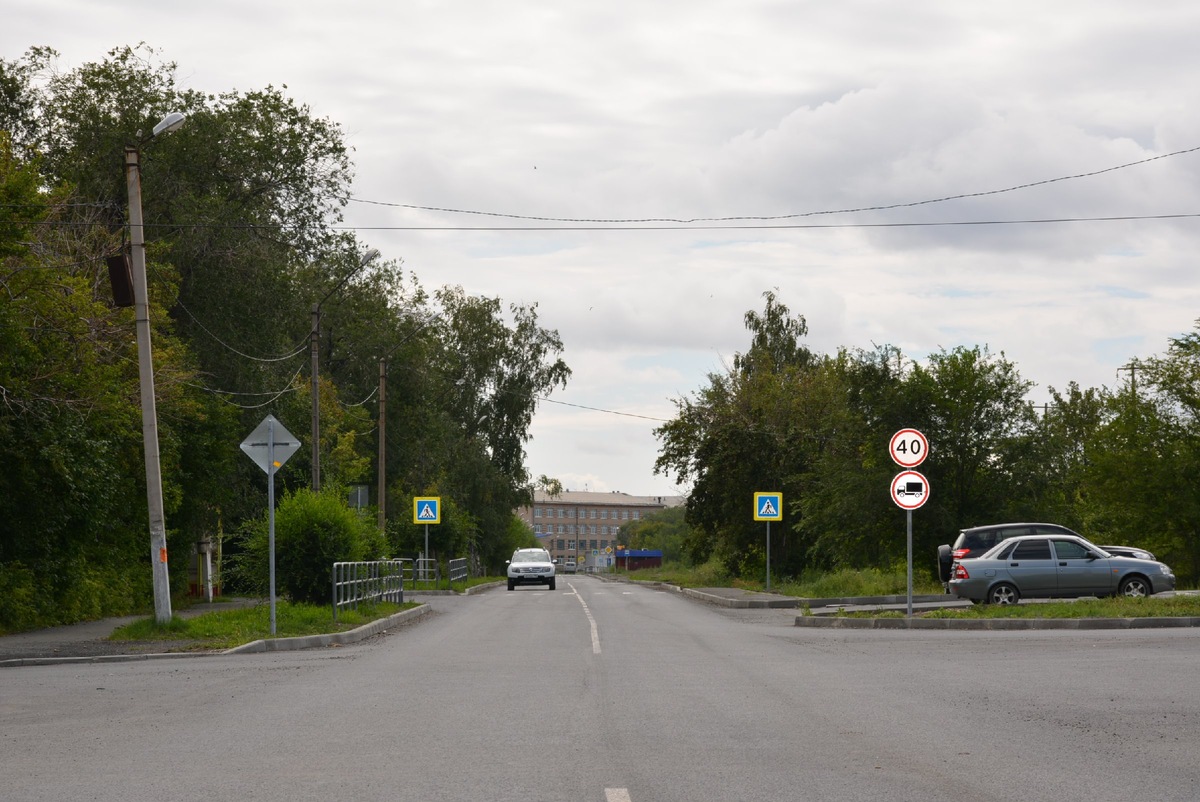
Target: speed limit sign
[908, 448]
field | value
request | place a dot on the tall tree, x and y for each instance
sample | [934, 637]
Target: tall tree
[738, 435]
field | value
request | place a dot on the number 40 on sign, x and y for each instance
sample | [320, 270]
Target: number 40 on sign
[909, 448]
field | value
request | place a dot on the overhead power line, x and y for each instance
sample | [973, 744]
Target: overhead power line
[786, 226]
[767, 218]
[598, 409]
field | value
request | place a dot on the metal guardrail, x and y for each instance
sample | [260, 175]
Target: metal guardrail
[426, 571]
[458, 570]
[370, 581]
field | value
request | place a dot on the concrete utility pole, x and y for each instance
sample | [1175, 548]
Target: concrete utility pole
[314, 347]
[141, 302]
[381, 471]
[1132, 367]
[381, 493]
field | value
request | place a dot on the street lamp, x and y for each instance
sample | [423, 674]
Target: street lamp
[154, 500]
[314, 340]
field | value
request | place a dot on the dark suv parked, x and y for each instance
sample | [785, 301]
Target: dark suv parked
[976, 540]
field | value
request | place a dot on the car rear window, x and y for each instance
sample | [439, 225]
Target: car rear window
[985, 539]
[1032, 550]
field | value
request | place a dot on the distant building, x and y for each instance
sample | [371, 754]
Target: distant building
[585, 526]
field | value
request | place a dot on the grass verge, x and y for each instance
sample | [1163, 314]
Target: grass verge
[1120, 607]
[225, 629]
[814, 584]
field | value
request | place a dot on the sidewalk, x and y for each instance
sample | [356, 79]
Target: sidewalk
[89, 639]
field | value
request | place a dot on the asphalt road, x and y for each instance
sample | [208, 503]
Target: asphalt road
[607, 693]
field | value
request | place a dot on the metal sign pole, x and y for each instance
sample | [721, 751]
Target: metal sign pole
[768, 556]
[271, 512]
[269, 453]
[910, 563]
[425, 565]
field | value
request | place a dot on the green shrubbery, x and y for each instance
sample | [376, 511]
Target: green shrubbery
[312, 532]
[69, 592]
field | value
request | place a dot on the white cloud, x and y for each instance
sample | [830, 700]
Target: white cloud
[715, 108]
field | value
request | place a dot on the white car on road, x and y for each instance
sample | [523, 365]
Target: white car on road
[530, 567]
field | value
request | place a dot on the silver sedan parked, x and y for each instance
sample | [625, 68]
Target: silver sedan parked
[1056, 566]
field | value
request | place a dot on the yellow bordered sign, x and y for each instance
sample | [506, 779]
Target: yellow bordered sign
[768, 506]
[427, 510]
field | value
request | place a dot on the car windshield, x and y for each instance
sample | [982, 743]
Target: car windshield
[531, 557]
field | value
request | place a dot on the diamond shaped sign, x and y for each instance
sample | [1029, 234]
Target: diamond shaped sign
[270, 442]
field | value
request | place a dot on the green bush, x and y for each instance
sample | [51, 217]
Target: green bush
[18, 598]
[312, 532]
[67, 592]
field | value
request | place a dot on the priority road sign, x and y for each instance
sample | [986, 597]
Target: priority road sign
[427, 510]
[270, 445]
[768, 506]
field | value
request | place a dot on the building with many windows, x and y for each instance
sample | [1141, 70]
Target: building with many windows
[584, 526]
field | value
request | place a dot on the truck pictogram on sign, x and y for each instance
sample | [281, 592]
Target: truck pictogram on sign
[910, 490]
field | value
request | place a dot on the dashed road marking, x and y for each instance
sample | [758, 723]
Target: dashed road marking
[617, 795]
[591, 621]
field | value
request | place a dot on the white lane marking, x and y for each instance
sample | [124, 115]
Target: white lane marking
[617, 795]
[592, 621]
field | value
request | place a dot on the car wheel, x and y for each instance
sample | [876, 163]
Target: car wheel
[551, 584]
[1003, 594]
[511, 584]
[944, 561]
[1134, 587]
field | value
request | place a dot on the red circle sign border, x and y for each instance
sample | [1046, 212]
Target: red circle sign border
[924, 496]
[924, 448]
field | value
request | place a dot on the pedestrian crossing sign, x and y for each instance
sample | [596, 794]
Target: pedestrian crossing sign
[427, 510]
[768, 506]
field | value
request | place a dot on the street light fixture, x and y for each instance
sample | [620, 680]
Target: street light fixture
[154, 500]
[314, 340]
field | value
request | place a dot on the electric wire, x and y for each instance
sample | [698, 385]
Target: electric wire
[766, 218]
[788, 226]
[599, 409]
[370, 395]
[701, 227]
[275, 394]
[298, 350]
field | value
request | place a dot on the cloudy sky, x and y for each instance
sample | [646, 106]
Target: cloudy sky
[779, 112]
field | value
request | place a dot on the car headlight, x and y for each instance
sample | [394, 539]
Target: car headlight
[1163, 568]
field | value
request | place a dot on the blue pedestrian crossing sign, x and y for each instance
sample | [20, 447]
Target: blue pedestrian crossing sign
[768, 506]
[427, 510]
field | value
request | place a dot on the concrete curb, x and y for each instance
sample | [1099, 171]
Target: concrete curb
[751, 603]
[829, 618]
[758, 601]
[265, 645]
[17, 662]
[481, 588]
[337, 638]
[993, 624]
